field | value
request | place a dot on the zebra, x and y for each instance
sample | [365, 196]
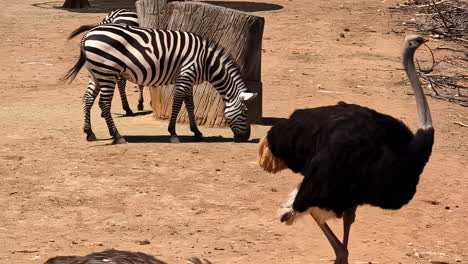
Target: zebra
[157, 57]
[118, 16]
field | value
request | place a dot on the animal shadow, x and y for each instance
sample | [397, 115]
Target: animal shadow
[246, 6]
[183, 139]
[142, 113]
[270, 121]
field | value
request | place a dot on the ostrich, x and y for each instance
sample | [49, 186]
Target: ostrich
[350, 155]
[113, 256]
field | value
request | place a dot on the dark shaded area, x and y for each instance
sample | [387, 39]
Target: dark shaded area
[183, 139]
[105, 6]
[97, 6]
[76, 4]
[246, 6]
[142, 113]
[270, 121]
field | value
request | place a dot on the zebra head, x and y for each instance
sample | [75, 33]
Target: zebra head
[236, 117]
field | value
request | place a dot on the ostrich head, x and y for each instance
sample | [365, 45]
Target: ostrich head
[413, 42]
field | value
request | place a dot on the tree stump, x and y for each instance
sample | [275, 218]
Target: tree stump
[76, 4]
[239, 33]
[149, 12]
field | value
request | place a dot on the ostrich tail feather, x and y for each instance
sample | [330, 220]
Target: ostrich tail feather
[267, 160]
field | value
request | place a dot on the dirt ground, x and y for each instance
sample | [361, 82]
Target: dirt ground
[62, 195]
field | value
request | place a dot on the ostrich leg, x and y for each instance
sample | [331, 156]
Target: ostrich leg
[348, 219]
[340, 250]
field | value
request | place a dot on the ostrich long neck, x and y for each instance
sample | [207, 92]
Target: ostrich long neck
[424, 115]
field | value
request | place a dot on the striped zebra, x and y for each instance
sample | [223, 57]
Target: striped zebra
[118, 16]
[156, 57]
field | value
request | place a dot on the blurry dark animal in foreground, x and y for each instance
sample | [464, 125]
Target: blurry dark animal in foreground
[113, 256]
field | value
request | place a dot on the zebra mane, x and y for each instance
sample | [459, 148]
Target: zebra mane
[224, 54]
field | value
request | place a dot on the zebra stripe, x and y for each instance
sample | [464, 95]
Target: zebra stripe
[157, 57]
[119, 16]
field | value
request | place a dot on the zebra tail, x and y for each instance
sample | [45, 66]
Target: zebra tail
[82, 29]
[71, 74]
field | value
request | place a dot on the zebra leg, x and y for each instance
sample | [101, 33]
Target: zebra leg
[140, 99]
[88, 100]
[105, 100]
[121, 83]
[182, 87]
[190, 110]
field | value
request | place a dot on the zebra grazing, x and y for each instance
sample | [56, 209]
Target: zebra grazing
[156, 57]
[125, 17]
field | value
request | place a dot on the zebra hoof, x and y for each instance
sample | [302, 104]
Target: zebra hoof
[198, 134]
[174, 139]
[91, 137]
[120, 140]
[140, 107]
[129, 113]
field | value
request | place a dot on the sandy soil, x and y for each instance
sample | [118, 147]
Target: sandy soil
[61, 195]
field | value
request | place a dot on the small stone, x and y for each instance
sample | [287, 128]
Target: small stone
[447, 207]
[342, 35]
[274, 190]
[346, 29]
[143, 242]
[410, 244]
[218, 169]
